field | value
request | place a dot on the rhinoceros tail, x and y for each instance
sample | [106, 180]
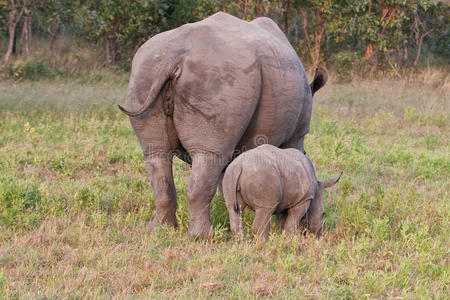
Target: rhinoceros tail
[153, 93]
[150, 101]
[231, 187]
[320, 78]
[124, 110]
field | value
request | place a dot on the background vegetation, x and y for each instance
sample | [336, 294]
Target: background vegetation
[74, 197]
[352, 36]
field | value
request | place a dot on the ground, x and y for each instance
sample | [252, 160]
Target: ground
[74, 201]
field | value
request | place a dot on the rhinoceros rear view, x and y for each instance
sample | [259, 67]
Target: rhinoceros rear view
[208, 91]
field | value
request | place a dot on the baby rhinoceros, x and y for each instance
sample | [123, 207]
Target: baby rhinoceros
[275, 181]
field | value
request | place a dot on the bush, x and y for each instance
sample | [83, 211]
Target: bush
[18, 203]
[32, 71]
[346, 63]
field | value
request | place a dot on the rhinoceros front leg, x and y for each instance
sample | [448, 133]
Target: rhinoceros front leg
[159, 168]
[201, 187]
[294, 216]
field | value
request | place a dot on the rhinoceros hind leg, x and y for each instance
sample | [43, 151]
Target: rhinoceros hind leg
[236, 224]
[163, 188]
[201, 187]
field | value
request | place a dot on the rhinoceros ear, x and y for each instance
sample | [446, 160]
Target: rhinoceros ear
[320, 78]
[330, 182]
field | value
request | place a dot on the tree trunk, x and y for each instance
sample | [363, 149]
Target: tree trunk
[419, 46]
[25, 36]
[245, 10]
[112, 53]
[316, 56]
[14, 49]
[286, 17]
[111, 49]
[405, 53]
[258, 9]
[369, 51]
[30, 35]
[313, 45]
[318, 34]
[305, 29]
[52, 37]
[14, 16]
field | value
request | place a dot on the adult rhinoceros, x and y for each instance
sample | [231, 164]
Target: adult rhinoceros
[208, 91]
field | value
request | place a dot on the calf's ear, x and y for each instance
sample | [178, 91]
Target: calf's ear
[330, 182]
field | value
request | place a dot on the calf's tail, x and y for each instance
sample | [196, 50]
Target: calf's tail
[231, 187]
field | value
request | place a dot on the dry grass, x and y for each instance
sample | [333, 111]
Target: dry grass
[74, 202]
[70, 55]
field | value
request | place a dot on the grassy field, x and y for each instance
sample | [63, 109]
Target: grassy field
[74, 201]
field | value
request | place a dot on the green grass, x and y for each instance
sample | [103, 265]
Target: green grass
[74, 202]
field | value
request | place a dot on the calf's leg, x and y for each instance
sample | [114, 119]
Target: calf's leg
[294, 215]
[236, 224]
[261, 223]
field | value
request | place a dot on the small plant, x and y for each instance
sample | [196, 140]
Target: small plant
[60, 166]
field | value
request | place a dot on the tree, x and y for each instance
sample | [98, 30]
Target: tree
[316, 15]
[180, 12]
[246, 9]
[120, 24]
[26, 34]
[15, 10]
[419, 26]
[53, 15]
[375, 32]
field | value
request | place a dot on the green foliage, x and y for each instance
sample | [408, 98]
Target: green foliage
[348, 63]
[19, 204]
[388, 34]
[55, 12]
[3, 20]
[34, 70]
[180, 12]
[122, 24]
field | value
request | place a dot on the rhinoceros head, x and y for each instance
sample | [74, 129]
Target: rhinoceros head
[314, 218]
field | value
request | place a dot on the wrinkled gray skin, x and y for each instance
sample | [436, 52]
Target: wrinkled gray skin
[277, 181]
[208, 91]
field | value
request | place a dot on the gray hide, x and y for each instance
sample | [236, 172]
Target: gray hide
[277, 181]
[208, 91]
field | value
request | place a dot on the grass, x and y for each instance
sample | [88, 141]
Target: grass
[74, 201]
